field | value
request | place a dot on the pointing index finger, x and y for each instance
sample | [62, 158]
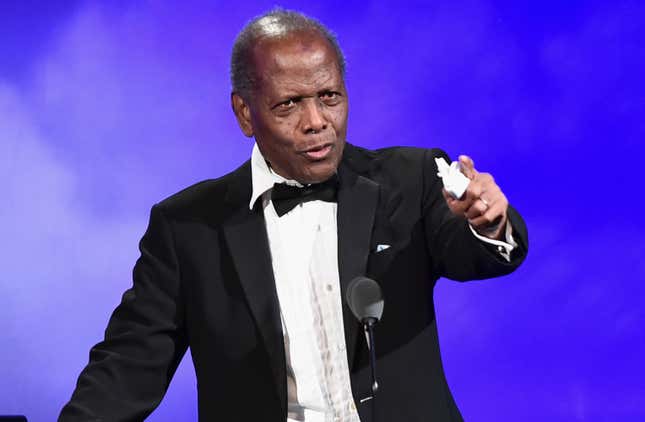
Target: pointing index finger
[467, 166]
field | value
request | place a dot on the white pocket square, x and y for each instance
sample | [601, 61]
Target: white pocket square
[382, 247]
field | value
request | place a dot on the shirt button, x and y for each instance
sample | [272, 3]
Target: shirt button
[500, 249]
[329, 288]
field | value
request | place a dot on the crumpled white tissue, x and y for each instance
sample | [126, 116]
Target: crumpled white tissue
[454, 180]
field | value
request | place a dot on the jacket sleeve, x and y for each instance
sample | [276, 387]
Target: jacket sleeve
[129, 371]
[455, 252]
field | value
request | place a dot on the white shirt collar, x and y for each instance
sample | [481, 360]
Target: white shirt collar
[262, 177]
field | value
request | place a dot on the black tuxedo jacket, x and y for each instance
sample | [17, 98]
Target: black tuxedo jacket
[205, 280]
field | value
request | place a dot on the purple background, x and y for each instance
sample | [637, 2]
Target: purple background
[108, 107]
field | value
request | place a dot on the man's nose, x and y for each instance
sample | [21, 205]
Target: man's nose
[313, 118]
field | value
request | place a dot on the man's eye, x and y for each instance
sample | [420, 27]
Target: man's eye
[330, 97]
[285, 105]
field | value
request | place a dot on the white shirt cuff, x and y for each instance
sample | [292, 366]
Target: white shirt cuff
[503, 248]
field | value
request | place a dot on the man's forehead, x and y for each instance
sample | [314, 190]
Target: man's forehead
[300, 49]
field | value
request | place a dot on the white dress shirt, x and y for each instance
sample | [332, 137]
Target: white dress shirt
[304, 255]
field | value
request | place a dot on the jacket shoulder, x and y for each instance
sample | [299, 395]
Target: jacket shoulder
[208, 197]
[396, 161]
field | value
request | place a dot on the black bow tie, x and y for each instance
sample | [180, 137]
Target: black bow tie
[286, 197]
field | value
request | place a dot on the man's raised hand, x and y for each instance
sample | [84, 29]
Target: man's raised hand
[483, 204]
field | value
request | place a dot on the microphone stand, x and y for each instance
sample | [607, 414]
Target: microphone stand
[368, 326]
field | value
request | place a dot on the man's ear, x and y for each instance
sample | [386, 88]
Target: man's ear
[242, 113]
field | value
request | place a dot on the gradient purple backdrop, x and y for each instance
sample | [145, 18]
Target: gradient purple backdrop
[108, 107]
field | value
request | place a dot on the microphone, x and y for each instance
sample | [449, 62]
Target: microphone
[365, 299]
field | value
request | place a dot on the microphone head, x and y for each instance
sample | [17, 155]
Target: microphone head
[365, 299]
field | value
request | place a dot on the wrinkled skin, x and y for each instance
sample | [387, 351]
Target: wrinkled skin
[298, 110]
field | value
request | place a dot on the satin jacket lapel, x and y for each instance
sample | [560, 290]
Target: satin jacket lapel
[357, 201]
[247, 239]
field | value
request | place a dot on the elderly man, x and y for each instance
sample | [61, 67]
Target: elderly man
[249, 270]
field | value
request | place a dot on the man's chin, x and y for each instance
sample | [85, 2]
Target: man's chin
[318, 173]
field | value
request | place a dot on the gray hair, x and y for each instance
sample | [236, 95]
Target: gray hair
[277, 23]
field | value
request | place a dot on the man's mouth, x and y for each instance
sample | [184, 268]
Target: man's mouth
[318, 153]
